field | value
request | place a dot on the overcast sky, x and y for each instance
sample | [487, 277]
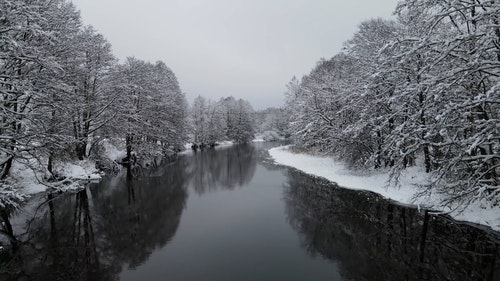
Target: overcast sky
[248, 49]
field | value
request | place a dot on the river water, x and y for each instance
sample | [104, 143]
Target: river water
[230, 214]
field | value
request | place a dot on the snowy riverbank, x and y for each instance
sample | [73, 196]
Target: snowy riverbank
[31, 182]
[406, 193]
[28, 175]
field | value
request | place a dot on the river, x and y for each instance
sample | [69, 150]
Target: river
[230, 214]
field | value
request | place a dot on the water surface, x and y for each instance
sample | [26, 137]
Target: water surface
[229, 214]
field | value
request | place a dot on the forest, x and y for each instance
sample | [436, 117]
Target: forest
[419, 90]
[63, 92]
[64, 96]
[414, 96]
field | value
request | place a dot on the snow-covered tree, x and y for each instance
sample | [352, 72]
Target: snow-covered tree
[240, 126]
[198, 119]
[90, 96]
[238, 119]
[271, 120]
[461, 40]
[60, 89]
[150, 110]
[423, 87]
[23, 43]
[227, 119]
[371, 95]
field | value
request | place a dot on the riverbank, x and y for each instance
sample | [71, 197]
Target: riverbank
[28, 175]
[406, 193]
[31, 180]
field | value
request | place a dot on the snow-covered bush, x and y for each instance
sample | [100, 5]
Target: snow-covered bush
[10, 195]
[271, 136]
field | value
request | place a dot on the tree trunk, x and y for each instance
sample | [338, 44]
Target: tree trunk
[81, 149]
[128, 144]
[129, 156]
[6, 168]
[50, 164]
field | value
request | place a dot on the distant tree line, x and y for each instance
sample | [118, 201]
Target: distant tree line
[271, 123]
[62, 91]
[227, 119]
[422, 89]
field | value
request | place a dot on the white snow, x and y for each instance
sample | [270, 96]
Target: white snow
[27, 176]
[268, 136]
[23, 176]
[405, 193]
[112, 151]
[225, 143]
[258, 139]
[79, 170]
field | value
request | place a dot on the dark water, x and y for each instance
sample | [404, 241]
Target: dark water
[228, 214]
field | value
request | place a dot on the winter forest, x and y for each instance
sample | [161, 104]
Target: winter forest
[387, 152]
[420, 90]
[64, 96]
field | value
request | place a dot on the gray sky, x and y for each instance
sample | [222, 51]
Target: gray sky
[248, 49]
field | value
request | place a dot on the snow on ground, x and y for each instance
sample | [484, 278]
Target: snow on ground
[79, 170]
[258, 139]
[405, 193]
[268, 136]
[26, 178]
[112, 151]
[30, 181]
[23, 176]
[225, 143]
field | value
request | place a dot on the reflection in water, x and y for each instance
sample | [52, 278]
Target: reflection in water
[143, 215]
[372, 239]
[226, 168]
[98, 232]
[90, 235]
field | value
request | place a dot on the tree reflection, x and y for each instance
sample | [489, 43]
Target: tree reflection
[225, 168]
[61, 244]
[143, 215]
[90, 235]
[373, 239]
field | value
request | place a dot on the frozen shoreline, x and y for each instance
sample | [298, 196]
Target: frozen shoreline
[406, 193]
[32, 183]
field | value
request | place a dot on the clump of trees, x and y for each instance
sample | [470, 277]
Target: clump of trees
[271, 124]
[420, 90]
[150, 112]
[227, 119]
[62, 91]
